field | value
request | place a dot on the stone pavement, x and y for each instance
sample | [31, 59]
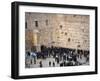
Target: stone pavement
[45, 63]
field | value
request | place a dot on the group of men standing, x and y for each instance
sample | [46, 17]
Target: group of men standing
[61, 56]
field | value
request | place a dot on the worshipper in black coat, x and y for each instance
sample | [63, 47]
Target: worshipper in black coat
[64, 57]
[41, 64]
[53, 64]
[49, 63]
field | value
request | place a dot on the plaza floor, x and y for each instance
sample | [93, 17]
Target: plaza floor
[45, 63]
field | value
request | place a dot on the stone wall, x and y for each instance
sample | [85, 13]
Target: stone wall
[60, 30]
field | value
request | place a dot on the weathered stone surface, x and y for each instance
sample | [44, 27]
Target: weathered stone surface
[60, 30]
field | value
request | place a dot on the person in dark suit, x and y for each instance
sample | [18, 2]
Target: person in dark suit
[53, 64]
[49, 63]
[41, 64]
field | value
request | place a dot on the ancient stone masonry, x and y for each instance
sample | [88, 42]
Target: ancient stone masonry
[59, 30]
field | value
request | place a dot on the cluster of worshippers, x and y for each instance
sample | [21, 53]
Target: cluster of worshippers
[62, 56]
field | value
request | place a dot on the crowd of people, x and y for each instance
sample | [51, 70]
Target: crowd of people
[62, 56]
